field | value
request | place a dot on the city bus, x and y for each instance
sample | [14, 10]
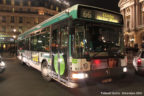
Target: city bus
[79, 44]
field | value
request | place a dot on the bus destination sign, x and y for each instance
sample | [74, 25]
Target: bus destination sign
[99, 15]
[106, 17]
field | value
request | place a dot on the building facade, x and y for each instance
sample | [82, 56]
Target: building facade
[17, 16]
[133, 15]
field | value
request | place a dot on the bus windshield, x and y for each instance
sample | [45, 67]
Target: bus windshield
[97, 40]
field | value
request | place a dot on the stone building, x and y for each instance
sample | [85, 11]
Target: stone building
[17, 16]
[133, 15]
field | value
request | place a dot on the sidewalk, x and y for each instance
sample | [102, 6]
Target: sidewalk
[6, 55]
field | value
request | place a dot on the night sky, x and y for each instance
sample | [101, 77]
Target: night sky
[107, 4]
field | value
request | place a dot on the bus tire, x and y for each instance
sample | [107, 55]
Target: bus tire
[44, 71]
[23, 64]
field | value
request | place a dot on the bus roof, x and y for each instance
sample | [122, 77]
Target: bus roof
[70, 12]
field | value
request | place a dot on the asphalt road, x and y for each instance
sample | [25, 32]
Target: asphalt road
[19, 80]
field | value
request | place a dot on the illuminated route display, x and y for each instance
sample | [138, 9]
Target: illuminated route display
[99, 15]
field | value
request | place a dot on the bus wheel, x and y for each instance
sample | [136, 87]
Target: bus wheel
[44, 71]
[22, 63]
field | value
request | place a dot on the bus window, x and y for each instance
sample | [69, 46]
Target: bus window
[55, 41]
[21, 45]
[64, 39]
[27, 44]
[34, 43]
[46, 39]
[39, 43]
[92, 38]
[79, 38]
[43, 42]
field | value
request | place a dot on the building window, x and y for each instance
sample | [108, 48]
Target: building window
[128, 22]
[28, 19]
[12, 2]
[12, 19]
[140, 18]
[20, 9]
[28, 10]
[29, 3]
[36, 3]
[46, 4]
[143, 13]
[51, 7]
[3, 19]
[20, 19]
[8, 2]
[13, 10]
[4, 1]
[21, 3]
[57, 8]
[3, 28]
[1, 2]
[20, 29]
[40, 12]
[25, 3]
[143, 18]
[17, 3]
[36, 21]
[12, 28]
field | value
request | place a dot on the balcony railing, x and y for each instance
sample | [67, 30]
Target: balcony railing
[25, 12]
[140, 26]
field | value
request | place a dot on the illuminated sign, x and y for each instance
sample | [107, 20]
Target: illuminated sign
[1, 35]
[100, 15]
[106, 17]
[86, 13]
[6, 39]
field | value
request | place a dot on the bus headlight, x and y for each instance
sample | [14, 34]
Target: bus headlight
[125, 69]
[79, 75]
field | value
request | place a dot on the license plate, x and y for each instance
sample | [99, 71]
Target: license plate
[107, 80]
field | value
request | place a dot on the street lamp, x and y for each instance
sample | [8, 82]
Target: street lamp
[14, 36]
[14, 30]
[63, 2]
[66, 3]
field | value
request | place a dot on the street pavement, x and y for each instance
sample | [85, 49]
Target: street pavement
[19, 80]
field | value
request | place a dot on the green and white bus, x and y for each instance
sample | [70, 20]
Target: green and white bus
[78, 44]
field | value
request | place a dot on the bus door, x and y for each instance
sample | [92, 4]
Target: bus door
[59, 51]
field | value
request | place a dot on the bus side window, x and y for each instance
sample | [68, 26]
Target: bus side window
[21, 45]
[55, 41]
[64, 39]
[79, 38]
[43, 42]
[34, 43]
[27, 44]
[40, 43]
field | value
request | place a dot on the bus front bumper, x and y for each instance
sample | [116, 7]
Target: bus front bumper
[98, 75]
